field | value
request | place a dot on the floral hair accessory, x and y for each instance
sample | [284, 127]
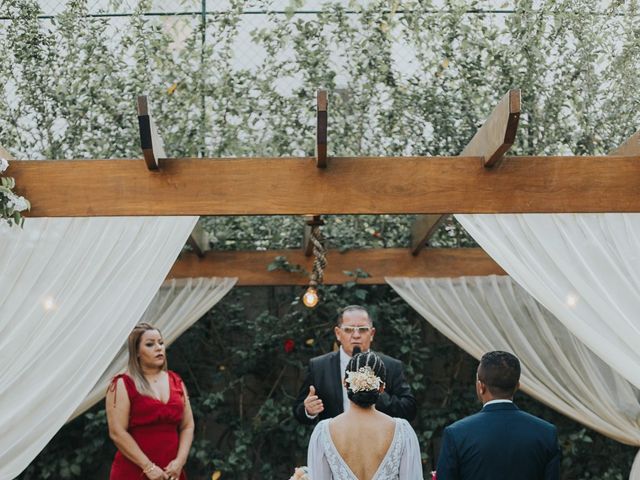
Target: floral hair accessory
[363, 380]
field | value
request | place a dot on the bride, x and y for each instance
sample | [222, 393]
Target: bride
[363, 443]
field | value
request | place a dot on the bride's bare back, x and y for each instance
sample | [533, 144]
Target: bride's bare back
[362, 436]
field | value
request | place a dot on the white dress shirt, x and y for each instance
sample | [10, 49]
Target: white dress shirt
[499, 400]
[344, 360]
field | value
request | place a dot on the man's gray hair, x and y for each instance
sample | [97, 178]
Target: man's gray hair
[353, 308]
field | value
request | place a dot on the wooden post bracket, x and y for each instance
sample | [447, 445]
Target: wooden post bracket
[491, 142]
[150, 141]
[321, 128]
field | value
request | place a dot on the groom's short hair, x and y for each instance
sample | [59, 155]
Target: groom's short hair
[500, 372]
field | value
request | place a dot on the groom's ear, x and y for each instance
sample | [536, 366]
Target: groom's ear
[481, 387]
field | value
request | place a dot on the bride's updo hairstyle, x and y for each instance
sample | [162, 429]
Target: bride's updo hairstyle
[364, 376]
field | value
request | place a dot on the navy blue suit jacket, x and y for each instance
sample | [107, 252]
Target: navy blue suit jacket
[501, 442]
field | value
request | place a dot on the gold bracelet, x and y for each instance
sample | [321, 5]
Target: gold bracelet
[150, 466]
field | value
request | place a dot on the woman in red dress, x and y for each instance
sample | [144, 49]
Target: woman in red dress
[148, 413]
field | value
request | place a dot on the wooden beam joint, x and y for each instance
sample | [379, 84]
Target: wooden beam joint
[423, 229]
[491, 142]
[498, 133]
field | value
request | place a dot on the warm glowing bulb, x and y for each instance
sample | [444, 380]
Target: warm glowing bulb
[49, 303]
[572, 300]
[310, 297]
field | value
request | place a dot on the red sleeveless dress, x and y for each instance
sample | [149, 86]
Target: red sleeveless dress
[153, 425]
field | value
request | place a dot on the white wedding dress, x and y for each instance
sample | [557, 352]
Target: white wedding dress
[402, 460]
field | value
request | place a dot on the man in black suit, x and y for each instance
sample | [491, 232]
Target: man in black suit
[322, 394]
[501, 441]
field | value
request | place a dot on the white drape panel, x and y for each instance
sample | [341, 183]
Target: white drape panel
[481, 314]
[585, 268]
[177, 305]
[70, 292]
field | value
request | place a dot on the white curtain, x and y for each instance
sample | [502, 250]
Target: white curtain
[481, 314]
[585, 268]
[177, 305]
[70, 292]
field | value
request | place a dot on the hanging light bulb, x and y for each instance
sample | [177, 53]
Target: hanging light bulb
[310, 297]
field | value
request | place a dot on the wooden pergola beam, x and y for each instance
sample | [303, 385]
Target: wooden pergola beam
[490, 142]
[150, 141]
[321, 128]
[294, 186]
[251, 266]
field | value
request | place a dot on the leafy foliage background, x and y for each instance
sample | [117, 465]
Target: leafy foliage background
[404, 78]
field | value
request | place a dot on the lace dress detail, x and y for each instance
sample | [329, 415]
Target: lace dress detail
[389, 469]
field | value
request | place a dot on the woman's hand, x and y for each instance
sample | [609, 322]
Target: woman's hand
[174, 469]
[155, 473]
[300, 474]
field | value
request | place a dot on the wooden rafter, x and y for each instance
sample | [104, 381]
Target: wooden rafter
[321, 129]
[251, 266]
[497, 133]
[423, 229]
[630, 147]
[490, 143]
[293, 186]
[5, 154]
[150, 141]
[199, 240]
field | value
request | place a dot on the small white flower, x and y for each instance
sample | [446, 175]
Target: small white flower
[4, 164]
[17, 203]
[20, 204]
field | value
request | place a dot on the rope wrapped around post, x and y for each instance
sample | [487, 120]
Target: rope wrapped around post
[319, 257]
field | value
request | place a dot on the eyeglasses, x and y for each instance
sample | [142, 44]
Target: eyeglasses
[351, 330]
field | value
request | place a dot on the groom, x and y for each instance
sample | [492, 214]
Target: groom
[501, 441]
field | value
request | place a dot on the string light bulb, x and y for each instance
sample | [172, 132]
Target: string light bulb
[310, 297]
[313, 238]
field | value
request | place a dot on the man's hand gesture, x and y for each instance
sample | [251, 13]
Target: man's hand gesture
[312, 403]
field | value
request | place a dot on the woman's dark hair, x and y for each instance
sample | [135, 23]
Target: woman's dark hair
[365, 398]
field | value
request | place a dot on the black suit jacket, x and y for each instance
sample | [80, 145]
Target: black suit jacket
[324, 374]
[501, 442]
